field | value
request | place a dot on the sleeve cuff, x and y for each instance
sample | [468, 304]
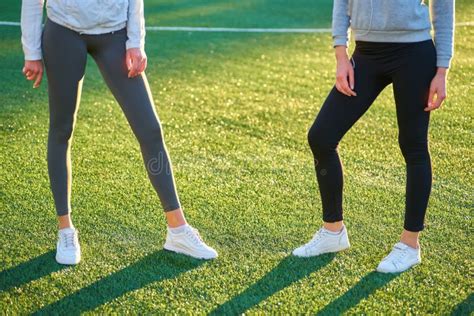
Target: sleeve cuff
[443, 62]
[134, 44]
[340, 41]
[33, 55]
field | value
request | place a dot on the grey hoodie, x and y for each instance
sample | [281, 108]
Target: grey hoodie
[396, 21]
[83, 16]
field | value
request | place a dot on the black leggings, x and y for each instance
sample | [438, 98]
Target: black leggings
[410, 67]
[65, 55]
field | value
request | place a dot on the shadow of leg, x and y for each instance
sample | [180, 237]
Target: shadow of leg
[155, 267]
[466, 307]
[288, 271]
[365, 287]
[28, 271]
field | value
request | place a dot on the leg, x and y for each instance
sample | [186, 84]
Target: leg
[135, 99]
[411, 84]
[136, 102]
[65, 59]
[337, 115]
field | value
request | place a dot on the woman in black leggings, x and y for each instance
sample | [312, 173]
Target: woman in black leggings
[393, 46]
[112, 32]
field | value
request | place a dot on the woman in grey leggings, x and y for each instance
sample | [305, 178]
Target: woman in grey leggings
[112, 32]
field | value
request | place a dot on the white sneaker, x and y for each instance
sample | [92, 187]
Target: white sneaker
[68, 250]
[189, 242]
[324, 241]
[401, 258]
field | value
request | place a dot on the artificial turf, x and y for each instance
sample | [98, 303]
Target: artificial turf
[235, 109]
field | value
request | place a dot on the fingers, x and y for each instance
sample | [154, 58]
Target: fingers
[351, 79]
[128, 61]
[435, 103]
[437, 92]
[431, 99]
[33, 72]
[436, 95]
[345, 78]
[29, 73]
[134, 66]
[342, 85]
[137, 65]
[338, 87]
[143, 65]
[439, 100]
[134, 69]
[39, 77]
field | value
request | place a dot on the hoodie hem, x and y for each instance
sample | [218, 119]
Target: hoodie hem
[392, 36]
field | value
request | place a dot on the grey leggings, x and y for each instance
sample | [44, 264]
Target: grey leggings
[65, 55]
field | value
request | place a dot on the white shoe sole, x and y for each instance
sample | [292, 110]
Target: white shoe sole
[381, 270]
[339, 249]
[184, 252]
[67, 261]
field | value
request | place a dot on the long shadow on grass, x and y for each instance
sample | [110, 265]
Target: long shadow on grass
[466, 307]
[158, 266]
[288, 271]
[365, 287]
[28, 271]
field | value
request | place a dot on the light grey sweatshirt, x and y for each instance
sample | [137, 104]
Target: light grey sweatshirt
[83, 16]
[396, 21]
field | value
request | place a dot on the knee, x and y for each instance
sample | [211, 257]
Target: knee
[319, 142]
[150, 135]
[415, 151]
[61, 133]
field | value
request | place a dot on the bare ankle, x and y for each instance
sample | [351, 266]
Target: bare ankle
[65, 221]
[412, 244]
[175, 218]
[334, 227]
[410, 239]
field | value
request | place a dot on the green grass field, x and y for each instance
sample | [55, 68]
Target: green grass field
[235, 108]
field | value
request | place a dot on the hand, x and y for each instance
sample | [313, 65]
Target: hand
[136, 61]
[437, 89]
[33, 70]
[344, 73]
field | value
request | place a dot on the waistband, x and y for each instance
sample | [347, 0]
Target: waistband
[375, 48]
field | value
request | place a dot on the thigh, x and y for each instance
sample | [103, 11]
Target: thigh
[133, 94]
[65, 57]
[411, 84]
[340, 112]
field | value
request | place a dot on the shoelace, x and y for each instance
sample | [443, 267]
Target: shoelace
[195, 237]
[396, 255]
[316, 238]
[69, 240]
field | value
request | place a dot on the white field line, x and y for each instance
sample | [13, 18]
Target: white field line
[214, 29]
[465, 24]
[232, 29]
[6, 23]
